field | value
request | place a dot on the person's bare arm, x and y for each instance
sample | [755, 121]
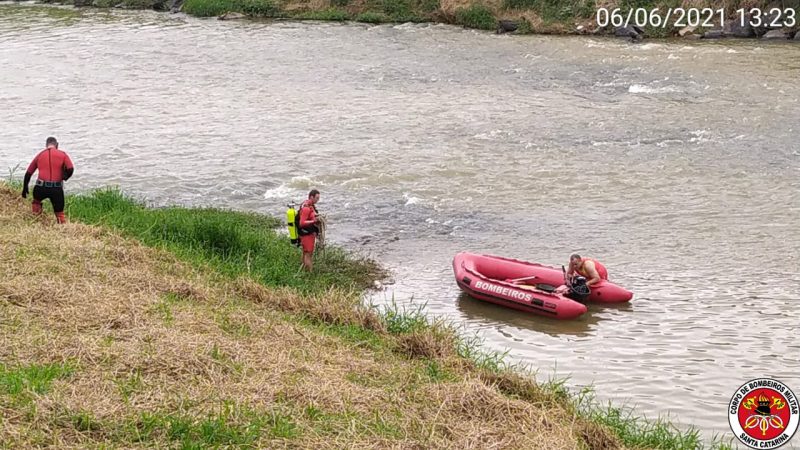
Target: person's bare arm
[591, 270]
[570, 271]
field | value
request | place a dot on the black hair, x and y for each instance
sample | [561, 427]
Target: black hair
[313, 193]
[52, 140]
[574, 256]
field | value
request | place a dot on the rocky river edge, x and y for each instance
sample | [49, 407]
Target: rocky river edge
[486, 17]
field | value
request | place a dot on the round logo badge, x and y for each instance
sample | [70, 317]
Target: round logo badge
[764, 413]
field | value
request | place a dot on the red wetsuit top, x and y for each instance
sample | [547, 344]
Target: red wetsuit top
[308, 216]
[51, 163]
[601, 269]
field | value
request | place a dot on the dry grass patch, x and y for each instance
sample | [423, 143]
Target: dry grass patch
[108, 342]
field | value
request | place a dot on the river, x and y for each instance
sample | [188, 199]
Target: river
[675, 163]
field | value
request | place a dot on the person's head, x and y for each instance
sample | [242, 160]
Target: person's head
[313, 196]
[52, 142]
[575, 260]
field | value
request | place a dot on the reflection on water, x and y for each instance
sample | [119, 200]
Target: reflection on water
[489, 314]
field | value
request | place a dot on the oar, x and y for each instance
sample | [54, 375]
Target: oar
[515, 280]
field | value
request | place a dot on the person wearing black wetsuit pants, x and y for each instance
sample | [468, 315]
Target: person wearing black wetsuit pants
[54, 168]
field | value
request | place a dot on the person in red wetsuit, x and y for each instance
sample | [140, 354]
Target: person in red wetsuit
[589, 268]
[308, 228]
[54, 168]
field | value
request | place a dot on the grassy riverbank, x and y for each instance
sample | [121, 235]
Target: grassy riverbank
[529, 16]
[192, 328]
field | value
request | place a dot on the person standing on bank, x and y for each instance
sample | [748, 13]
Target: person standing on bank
[308, 228]
[54, 168]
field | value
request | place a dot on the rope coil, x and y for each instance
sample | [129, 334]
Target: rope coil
[321, 225]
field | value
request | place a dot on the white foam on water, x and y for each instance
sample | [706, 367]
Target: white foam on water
[281, 191]
[642, 89]
[699, 136]
[411, 200]
[303, 182]
[668, 142]
[650, 46]
[591, 43]
[491, 135]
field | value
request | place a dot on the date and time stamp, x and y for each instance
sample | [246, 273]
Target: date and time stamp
[696, 17]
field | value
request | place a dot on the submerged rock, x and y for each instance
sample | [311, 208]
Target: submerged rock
[734, 28]
[634, 33]
[776, 35]
[506, 26]
[766, 23]
[232, 16]
[176, 6]
[686, 31]
[714, 34]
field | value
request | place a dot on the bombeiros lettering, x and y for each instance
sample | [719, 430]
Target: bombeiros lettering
[502, 290]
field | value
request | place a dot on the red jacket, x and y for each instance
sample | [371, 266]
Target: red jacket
[51, 163]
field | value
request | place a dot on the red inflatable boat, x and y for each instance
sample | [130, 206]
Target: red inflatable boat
[526, 286]
[489, 278]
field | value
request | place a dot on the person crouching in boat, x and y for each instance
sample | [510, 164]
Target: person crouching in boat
[308, 228]
[589, 268]
[54, 168]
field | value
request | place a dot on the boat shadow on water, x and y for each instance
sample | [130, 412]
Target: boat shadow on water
[487, 313]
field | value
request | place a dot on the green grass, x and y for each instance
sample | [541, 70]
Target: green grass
[229, 325]
[524, 26]
[435, 373]
[234, 243]
[401, 319]
[634, 431]
[163, 309]
[211, 8]
[332, 14]
[353, 334]
[399, 10]
[378, 423]
[227, 363]
[233, 426]
[428, 6]
[555, 10]
[21, 382]
[372, 17]
[129, 385]
[476, 16]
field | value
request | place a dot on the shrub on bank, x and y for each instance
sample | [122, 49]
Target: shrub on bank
[372, 17]
[212, 8]
[555, 10]
[476, 16]
[333, 14]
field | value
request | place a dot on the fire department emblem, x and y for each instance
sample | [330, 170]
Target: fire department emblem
[764, 414]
